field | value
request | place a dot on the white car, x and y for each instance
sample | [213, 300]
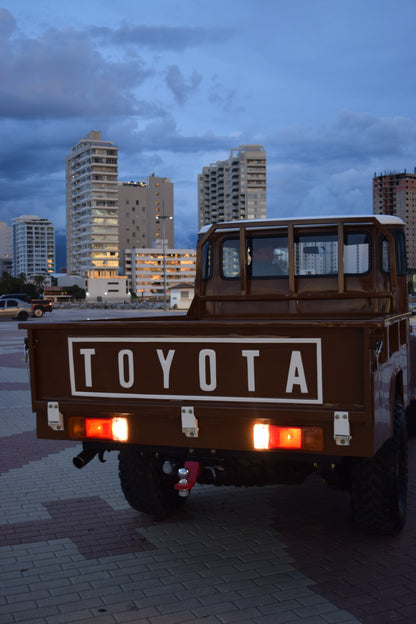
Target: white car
[14, 308]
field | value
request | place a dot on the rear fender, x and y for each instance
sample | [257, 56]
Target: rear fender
[396, 394]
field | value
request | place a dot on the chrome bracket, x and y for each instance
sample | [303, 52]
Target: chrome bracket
[378, 350]
[55, 417]
[342, 434]
[189, 422]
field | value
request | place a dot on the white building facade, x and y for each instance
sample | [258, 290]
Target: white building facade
[110, 290]
[235, 188]
[92, 208]
[181, 296]
[33, 246]
[153, 272]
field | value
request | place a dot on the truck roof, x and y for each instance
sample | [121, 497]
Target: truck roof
[382, 219]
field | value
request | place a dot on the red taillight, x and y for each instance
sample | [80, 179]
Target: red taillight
[115, 429]
[290, 438]
[98, 428]
[286, 437]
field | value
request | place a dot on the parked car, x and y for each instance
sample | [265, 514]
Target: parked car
[14, 308]
[39, 306]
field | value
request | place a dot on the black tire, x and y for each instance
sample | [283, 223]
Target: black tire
[22, 316]
[411, 419]
[145, 486]
[38, 312]
[379, 484]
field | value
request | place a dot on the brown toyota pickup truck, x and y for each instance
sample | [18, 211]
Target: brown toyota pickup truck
[294, 358]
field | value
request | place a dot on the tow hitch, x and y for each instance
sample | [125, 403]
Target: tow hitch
[187, 477]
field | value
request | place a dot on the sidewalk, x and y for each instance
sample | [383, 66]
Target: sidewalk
[73, 551]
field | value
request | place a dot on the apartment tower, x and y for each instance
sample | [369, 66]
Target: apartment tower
[33, 246]
[235, 188]
[395, 194]
[6, 249]
[145, 214]
[92, 208]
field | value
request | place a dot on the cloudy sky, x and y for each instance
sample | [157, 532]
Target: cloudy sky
[327, 86]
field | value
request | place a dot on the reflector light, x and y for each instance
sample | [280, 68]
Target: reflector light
[291, 438]
[76, 428]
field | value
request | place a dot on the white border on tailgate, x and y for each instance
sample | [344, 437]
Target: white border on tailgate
[204, 341]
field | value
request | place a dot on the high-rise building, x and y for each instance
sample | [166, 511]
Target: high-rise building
[395, 194]
[92, 208]
[145, 214]
[33, 246]
[6, 245]
[155, 270]
[235, 188]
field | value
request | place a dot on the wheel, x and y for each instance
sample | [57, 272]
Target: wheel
[22, 316]
[145, 486]
[411, 419]
[38, 312]
[379, 484]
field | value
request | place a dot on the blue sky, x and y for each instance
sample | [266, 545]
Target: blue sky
[327, 86]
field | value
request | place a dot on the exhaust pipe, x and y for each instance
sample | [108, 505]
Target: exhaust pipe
[84, 458]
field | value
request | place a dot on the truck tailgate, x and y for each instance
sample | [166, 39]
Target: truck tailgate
[151, 368]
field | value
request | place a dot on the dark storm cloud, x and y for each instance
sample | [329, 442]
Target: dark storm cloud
[174, 38]
[164, 135]
[328, 169]
[177, 84]
[62, 74]
[351, 138]
[34, 148]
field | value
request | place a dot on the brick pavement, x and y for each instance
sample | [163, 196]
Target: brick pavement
[72, 551]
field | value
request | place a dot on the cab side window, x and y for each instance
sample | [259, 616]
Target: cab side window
[230, 258]
[400, 251]
[206, 271]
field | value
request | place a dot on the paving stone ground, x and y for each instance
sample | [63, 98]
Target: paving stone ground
[73, 552]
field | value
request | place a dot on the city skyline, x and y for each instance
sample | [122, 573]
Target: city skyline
[176, 88]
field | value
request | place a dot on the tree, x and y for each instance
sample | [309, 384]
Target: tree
[76, 292]
[10, 284]
[39, 282]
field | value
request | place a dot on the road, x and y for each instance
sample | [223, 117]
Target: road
[72, 551]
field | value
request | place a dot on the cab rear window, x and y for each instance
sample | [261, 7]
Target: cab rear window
[315, 254]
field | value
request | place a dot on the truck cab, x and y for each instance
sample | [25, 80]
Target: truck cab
[328, 266]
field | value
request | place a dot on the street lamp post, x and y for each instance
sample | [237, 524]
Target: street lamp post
[158, 219]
